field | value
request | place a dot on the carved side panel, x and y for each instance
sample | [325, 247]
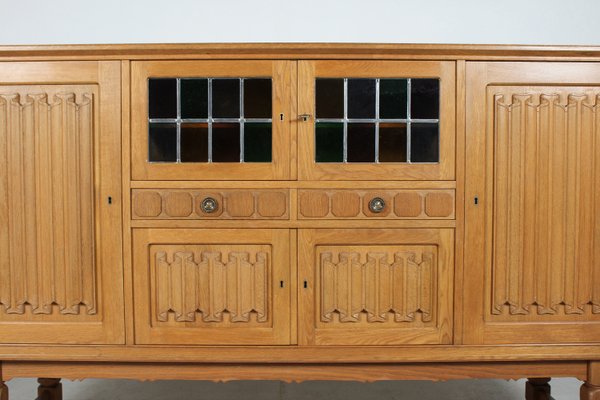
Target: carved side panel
[354, 204]
[213, 285]
[47, 265]
[546, 248]
[377, 284]
[232, 204]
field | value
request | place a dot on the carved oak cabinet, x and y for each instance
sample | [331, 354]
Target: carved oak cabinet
[300, 212]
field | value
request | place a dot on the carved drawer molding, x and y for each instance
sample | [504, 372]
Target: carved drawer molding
[230, 204]
[354, 204]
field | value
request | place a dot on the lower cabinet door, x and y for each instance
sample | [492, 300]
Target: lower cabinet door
[375, 286]
[212, 286]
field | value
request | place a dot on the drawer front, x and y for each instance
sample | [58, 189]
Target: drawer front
[375, 286]
[210, 204]
[373, 203]
[211, 286]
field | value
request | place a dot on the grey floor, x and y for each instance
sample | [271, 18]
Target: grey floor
[96, 389]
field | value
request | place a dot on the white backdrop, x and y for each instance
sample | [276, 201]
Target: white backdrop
[386, 21]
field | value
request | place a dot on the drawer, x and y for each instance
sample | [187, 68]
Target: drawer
[210, 204]
[374, 203]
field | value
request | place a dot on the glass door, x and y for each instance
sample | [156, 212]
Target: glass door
[384, 120]
[208, 120]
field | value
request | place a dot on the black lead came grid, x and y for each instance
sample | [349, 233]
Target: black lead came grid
[209, 120]
[377, 120]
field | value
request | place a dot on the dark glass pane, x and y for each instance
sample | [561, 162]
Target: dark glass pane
[361, 143]
[425, 98]
[257, 142]
[361, 98]
[162, 143]
[329, 98]
[257, 98]
[194, 98]
[194, 142]
[392, 142]
[425, 143]
[329, 142]
[162, 98]
[226, 98]
[392, 98]
[226, 142]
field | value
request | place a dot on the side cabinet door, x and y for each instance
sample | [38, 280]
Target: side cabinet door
[212, 286]
[375, 286]
[532, 246]
[60, 236]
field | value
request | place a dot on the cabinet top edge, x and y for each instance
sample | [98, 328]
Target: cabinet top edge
[299, 51]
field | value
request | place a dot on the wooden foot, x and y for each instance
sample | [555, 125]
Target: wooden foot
[49, 389]
[3, 391]
[537, 389]
[589, 392]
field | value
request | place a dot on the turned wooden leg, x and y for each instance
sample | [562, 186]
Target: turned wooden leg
[49, 389]
[590, 390]
[537, 389]
[3, 391]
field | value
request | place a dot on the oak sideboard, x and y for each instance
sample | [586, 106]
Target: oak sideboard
[300, 212]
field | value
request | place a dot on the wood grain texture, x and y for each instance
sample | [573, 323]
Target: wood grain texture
[49, 265]
[375, 287]
[354, 204]
[232, 204]
[376, 284]
[212, 286]
[55, 209]
[286, 51]
[545, 250]
[531, 240]
[214, 283]
[363, 372]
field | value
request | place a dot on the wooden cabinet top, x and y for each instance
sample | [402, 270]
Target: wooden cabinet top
[301, 50]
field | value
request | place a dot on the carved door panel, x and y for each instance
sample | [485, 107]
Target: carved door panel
[217, 286]
[212, 120]
[375, 286]
[60, 238]
[376, 120]
[532, 256]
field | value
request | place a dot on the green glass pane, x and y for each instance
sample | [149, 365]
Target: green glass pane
[162, 98]
[226, 98]
[361, 143]
[226, 142]
[194, 98]
[162, 142]
[329, 98]
[329, 142]
[425, 98]
[361, 98]
[194, 142]
[425, 143]
[257, 142]
[392, 98]
[392, 142]
[257, 98]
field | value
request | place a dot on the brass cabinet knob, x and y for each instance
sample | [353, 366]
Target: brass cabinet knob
[377, 205]
[209, 205]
